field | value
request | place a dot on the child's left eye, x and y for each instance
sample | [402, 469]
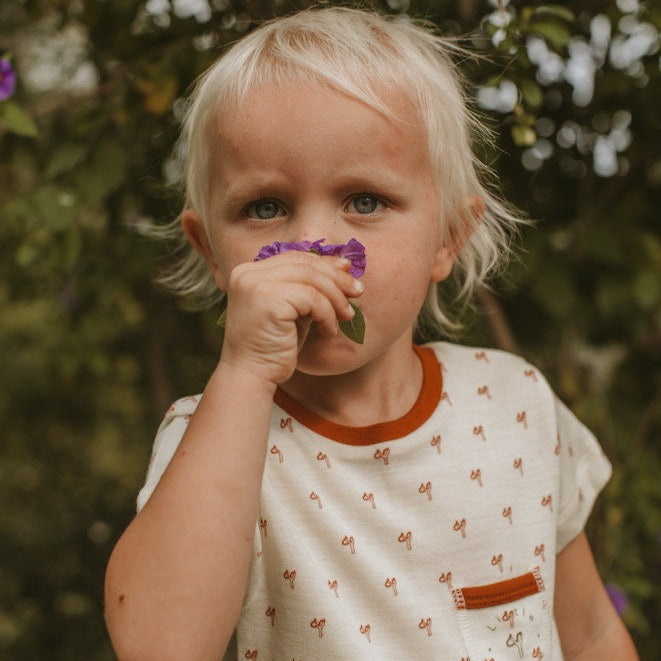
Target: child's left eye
[365, 204]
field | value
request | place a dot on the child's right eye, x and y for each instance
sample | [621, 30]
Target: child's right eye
[264, 209]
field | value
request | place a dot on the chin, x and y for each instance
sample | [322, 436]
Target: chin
[329, 356]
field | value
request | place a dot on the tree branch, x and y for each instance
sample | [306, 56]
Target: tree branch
[500, 329]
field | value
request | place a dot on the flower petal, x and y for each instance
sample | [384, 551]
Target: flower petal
[278, 247]
[354, 251]
[7, 79]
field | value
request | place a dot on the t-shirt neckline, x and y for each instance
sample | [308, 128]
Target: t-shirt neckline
[420, 412]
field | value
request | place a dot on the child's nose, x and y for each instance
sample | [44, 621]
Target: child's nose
[319, 225]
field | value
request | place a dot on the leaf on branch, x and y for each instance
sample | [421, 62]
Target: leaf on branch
[16, 120]
[523, 135]
[158, 93]
[104, 174]
[556, 34]
[65, 158]
[531, 92]
[557, 11]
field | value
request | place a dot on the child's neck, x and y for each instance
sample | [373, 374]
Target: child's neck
[384, 389]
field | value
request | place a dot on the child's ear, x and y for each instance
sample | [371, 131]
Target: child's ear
[197, 236]
[443, 262]
[447, 253]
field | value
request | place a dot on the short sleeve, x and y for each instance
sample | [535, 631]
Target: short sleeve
[167, 440]
[584, 470]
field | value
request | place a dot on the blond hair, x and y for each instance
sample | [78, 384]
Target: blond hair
[364, 55]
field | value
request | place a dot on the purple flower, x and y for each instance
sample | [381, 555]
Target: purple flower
[279, 247]
[7, 79]
[354, 251]
[618, 596]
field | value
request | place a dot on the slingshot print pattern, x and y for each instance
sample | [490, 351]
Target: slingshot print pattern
[425, 488]
[286, 423]
[315, 496]
[476, 475]
[369, 498]
[406, 538]
[446, 578]
[392, 583]
[486, 444]
[333, 586]
[290, 575]
[383, 454]
[278, 452]
[322, 456]
[366, 629]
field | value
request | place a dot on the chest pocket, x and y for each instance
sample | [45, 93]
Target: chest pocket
[508, 620]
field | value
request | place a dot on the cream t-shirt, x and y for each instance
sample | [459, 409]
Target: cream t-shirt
[429, 537]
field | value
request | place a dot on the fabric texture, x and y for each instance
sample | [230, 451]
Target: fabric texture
[431, 537]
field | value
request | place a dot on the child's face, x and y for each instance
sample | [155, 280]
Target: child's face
[305, 162]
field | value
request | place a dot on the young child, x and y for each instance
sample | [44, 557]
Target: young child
[326, 499]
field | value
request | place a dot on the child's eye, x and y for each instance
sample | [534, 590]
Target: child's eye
[365, 204]
[264, 209]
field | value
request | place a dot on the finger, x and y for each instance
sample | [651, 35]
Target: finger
[310, 303]
[303, 328]
[336, 268]
[334, 283]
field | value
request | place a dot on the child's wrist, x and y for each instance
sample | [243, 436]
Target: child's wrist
[243, 378]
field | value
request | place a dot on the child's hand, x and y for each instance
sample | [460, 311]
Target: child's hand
[272, 303]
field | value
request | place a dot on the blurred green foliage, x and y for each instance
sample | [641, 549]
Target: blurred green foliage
[91, 353]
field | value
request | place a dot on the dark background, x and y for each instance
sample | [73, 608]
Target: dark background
[92, 353]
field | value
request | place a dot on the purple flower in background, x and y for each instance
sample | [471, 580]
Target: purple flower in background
[619, 598]
[7, 79]
[354, 251]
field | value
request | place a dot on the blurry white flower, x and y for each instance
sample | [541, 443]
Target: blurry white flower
[501, 99]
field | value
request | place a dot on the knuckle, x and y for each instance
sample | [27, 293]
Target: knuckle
[237, 274]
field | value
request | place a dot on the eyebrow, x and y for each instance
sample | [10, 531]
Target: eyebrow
[383, 179]
[248, 187]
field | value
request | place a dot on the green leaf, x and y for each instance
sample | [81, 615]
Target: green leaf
[493, 81]
[64, 158]
[523, 135]
[647, 289]
[17, 121]
[48, 210]
[354, 328]
[490, 29]
[104, 174]
[531, 92]
[558, 11]
[526, 15]
[556, 34]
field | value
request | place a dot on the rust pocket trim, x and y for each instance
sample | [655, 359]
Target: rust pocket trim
[497, 594]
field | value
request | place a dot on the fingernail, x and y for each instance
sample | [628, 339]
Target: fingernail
[350, 310]
[358, 286]
[343, 262]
